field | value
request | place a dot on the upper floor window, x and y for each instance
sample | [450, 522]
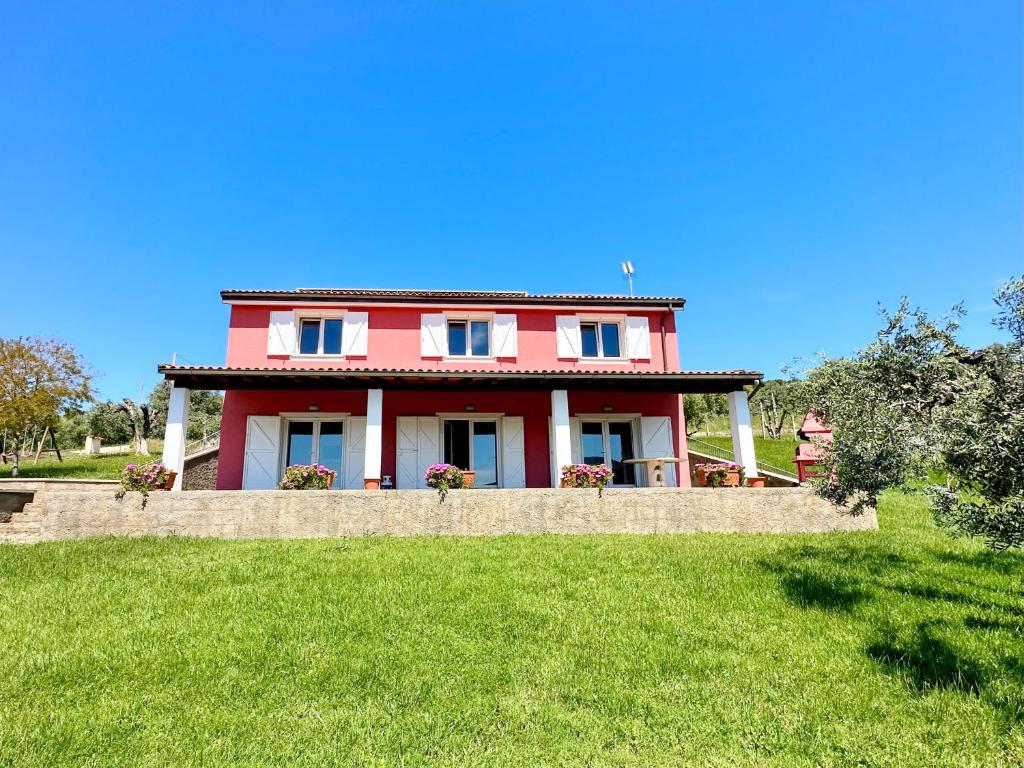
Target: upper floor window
[320, 336]
[616, 339]
[476, 335]
[469, 338]
[329, 332]
[600, 340]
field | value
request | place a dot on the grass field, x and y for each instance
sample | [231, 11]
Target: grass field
[778, 453]
[897, 648]
[105, 467]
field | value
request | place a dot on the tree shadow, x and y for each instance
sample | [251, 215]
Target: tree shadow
[811, 590]
[937, 652]
[925, 659]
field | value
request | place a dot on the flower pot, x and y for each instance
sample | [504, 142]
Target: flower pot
[468, 478]
[755, 482]
[169, 484]
[732, 478]
[371, 484]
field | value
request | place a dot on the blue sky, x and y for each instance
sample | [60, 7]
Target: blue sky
[785, 166]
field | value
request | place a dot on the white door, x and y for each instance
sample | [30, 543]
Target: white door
[656, 434]
[355, 453]
[513, 453]
[417, 448]
[262, 453]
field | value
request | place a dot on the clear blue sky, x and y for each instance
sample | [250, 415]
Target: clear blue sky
[785, 166]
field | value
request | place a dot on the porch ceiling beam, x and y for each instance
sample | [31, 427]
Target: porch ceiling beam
[678, 382]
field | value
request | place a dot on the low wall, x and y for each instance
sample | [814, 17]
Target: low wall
[309, 514]
[56, 484]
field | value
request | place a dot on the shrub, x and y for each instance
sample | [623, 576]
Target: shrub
[307, 477]
[444, 477]
[142, 478]
[586, 476]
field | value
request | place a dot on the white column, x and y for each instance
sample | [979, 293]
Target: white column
[374, 433]
[560, 428]
[742, 434]
[174, 436]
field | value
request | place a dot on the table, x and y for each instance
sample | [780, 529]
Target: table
[655, 469]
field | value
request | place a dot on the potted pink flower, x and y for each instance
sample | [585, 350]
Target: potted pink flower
[444, 477]
[586, 476]
[307, 477]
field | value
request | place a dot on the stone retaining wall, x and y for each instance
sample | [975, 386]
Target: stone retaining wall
[201, 471]
[310, 514]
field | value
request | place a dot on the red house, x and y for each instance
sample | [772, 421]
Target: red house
[379, 384]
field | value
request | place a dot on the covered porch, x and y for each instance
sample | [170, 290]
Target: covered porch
[382, 428]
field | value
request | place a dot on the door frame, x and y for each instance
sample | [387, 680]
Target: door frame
[472, 416]
[316, 417]
[633, 419]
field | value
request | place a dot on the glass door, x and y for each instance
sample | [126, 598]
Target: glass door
[473, 444]
[319, 441]
[611, 443]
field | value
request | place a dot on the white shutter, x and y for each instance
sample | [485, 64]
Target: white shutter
[417, 448]
[428, 449]
[354, 332]
[262, 453]
[638, 338]
[576, 437]
[281, 333]
[505, 329]
[656, 433]
[408, 474]
[355, 453]
[513, 453]
[433, 341]
[567, 333]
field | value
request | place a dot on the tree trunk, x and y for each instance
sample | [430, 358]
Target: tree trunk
[16, 451]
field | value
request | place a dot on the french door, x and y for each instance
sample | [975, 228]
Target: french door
[473, 444]
[317, 441]
[610, 442]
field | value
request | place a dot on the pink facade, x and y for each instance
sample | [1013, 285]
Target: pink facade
[394, 341]
[509, 385]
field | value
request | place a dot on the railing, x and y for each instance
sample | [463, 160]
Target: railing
[204, 443]
[718, 452]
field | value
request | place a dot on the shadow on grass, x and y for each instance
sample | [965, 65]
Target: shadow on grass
[926, 659]
[951, 644]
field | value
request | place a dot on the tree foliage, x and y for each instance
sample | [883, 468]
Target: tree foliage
[698, 410]
[203, 413]
[916, 401]
[779, 401]
[40, 379]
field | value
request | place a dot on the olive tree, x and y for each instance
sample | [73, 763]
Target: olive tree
[915, 402]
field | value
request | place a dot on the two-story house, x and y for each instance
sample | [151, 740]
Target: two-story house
[379, 384]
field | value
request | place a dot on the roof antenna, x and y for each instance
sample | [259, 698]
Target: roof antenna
[627, 270]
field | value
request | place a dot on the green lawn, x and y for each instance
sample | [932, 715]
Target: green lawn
[778, 453]
[897, 648]
[105, 467]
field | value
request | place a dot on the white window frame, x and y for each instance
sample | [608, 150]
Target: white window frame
[301, 317]
[467, 319]
[316, 417]
[605, 419]
[620, 322]
[495, 418]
